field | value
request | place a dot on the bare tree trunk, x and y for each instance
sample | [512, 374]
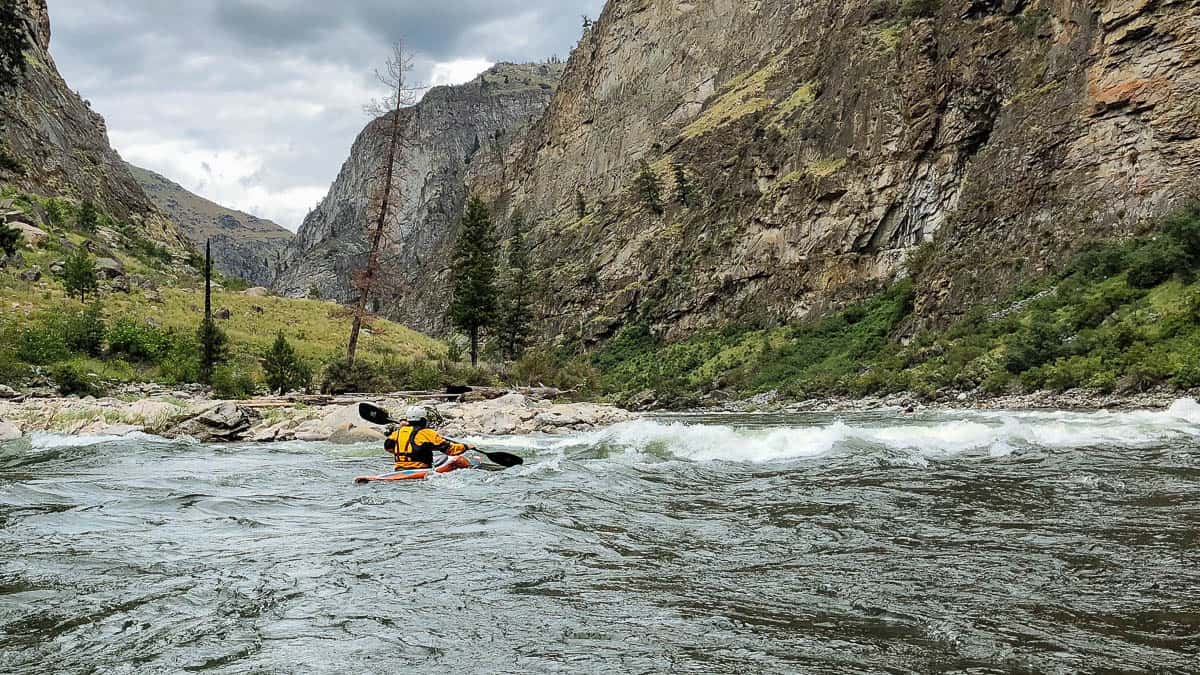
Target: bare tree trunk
[367, 280]
[474, 346]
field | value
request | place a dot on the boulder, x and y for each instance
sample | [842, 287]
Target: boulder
[9, 432]
[102, 428]
[107, 268]
[119, 285]
[144, 283]
[353, 435]
[34, 237]
[153, 412]
[58, 267]
[32, 275]
[257, 292]
[222, 314]
[223, 423]
[7, 392]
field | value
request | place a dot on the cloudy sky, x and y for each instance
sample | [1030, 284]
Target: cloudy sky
[255, 103]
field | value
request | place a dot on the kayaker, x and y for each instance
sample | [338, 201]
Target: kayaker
[414, 444]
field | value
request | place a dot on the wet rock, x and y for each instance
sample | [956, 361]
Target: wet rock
[223, 423]
[353, 435]
[9, 432]
[107, 268]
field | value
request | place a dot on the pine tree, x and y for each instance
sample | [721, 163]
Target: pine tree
[649, 188]
[88, 218]
[516, 317]
[210, 336]
[474, 307]
[683, 186]
[283, 368]
[10, 239]
[79, 274]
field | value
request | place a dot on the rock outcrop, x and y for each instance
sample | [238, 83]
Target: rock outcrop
[804, 152]
[60, 145]
[444, 136]
[243, 246]
[819, 143]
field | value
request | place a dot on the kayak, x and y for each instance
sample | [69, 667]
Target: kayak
[457, 464]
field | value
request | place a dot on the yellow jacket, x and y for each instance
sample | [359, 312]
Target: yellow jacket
[413, 447]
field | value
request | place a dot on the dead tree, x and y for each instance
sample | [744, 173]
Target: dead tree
[401, 95]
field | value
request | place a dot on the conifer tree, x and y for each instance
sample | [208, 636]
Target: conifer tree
[649, 188]
[683, 186]
[211, 338]
[88, 218]
[283, 368]
[79, 274]
[474, 307]
[10, 239]
[515, 312]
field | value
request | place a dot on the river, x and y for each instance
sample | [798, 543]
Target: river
[942, 542]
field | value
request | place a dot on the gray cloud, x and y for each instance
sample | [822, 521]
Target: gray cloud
[254, 103]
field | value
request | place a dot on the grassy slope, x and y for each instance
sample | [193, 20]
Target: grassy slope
[318, 330]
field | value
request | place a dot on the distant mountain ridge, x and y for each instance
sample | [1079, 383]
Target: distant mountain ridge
[244, 246]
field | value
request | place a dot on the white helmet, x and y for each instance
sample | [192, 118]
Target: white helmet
[416, 414]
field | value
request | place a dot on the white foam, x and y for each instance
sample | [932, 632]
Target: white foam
[49, 441]
[995, 433]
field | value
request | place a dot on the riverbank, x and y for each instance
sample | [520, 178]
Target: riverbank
[188, 413]
[1081, 400]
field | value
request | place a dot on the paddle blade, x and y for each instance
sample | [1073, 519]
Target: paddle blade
[502, 458]
[373, 414]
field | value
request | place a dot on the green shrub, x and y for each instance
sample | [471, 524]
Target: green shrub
[1184, 229]
[84, 330]
[341, 377]
[10, 239]
[73, 382]
[136, 340]
[411, 375]
[181, 362]
[232, 382]
[1100, 261]
[42, 344]
[1156, 262]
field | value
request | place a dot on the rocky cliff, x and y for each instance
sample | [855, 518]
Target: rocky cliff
[449, 132]
[244, 246]
[60, 145]
[820, 143]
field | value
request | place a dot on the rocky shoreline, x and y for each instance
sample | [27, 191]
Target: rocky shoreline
[186, 414]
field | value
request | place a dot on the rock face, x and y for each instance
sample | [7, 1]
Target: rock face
[62, 145]
[449, 132]
[243, 245]
[820, 142]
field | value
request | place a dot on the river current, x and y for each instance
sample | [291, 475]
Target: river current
[981, 542]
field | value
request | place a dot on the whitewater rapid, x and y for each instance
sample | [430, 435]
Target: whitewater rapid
[860, 543]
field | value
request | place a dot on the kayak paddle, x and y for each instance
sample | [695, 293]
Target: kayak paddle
[376, 415]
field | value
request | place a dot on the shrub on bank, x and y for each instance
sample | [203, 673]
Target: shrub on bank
[233, 382]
